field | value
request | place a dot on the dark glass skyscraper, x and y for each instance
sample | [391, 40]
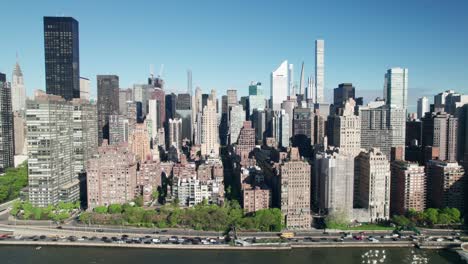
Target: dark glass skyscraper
[7, 146]
[108, 102]
[343, 93]
[62, 57]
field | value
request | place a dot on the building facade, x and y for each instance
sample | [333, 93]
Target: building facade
[18, 91]
[445, 185]
[111, 177]
[7, 143]
[62, 57]
[374, 184]
[396, 87]
[295, 175]
[319, 71]
[107, 103]
[49, 119]
[408, 188]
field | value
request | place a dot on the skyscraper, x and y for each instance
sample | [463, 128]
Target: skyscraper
[382, 126]
[246, 139]
[423, 106]
[343, 93]
[291, 87]
[319, 71]
[373, 169]
[85, 133]
[295, 175]
[279, 85]
[85, 88]
[189, 82]
[346, 130]
[111, 176]
[408, 188]
[183, 110]
[236, 120]
[107, 103]
[333, 182]
[7, 144]
[50, 151]
[303, 123]
[153, 118]
[125, 95]
[396, 87]
[159, 95]
[118, 129]
[256, 97]
[209, 135]
[18, 91]
[139, 143]
[301, 84]
[175, 133]
[62, 57]
[446, 183]
[440, 130]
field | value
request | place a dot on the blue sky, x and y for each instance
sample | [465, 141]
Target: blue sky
[227, 44]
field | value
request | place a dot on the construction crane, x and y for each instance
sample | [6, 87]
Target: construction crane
[161, 70]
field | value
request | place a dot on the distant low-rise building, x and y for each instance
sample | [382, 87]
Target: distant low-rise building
[256, 198]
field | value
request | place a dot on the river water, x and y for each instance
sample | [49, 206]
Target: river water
[70, 255]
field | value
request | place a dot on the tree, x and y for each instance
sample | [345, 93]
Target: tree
[268, 219]
[138, 201]
[85, 217]
[453, 213]
[337, 220]
[114, 209]
[17, 205]
[101, 209]
[444, 219]
[401, 221]
[155, 195]
[431, 216]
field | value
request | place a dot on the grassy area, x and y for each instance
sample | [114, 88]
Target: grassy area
[369, 227]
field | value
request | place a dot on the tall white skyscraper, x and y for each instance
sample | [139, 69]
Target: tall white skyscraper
[291, 88]
[319, 70]
[301, 84]
[153, 116]
[236, 121]
[209, 129]
[396, 87]
[18, 91]
[279, 85]
[423, 106]
[85, 88]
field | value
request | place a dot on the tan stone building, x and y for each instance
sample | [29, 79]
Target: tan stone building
[139, 143]
[374, 183]
[209, 136]
[295, 177]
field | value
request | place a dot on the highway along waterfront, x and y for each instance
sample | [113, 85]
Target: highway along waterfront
[82, 255]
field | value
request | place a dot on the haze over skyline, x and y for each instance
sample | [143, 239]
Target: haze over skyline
[227, 45]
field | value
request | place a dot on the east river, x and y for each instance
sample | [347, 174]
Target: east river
[75, 255]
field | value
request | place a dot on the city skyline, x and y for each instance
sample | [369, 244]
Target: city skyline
[101, 53]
